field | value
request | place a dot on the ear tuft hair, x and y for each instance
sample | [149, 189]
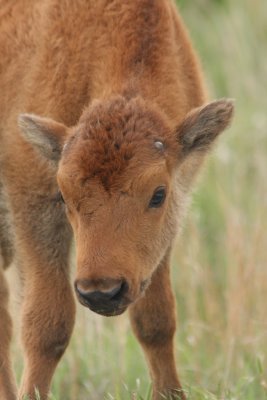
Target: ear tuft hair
[45, 134]
[202, 125]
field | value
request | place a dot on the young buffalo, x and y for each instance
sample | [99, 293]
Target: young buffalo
[113, 126]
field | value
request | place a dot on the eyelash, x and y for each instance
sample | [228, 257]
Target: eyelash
[158, 197]
[59, 197]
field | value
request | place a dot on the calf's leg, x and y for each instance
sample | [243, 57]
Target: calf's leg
[154, 323]
[47, 322]
[7, 381]
[42, 240]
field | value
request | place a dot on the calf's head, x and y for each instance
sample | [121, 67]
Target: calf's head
[124, 175]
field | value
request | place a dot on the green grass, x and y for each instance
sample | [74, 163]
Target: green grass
[220, 262]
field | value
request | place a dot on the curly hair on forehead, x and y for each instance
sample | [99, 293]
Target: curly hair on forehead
[111, 133]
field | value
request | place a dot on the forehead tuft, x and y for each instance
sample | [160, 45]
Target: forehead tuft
[112, 135]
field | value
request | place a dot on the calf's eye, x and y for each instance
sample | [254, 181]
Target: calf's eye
[158, 197]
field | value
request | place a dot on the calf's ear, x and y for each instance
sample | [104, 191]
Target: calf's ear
[202, 125]
[45, 134]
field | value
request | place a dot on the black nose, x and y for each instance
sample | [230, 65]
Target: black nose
[105, 297]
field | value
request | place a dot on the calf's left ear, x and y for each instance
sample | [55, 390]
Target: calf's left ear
[202, 125]
[45, 134]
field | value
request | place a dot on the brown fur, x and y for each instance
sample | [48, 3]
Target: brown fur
[115, 84]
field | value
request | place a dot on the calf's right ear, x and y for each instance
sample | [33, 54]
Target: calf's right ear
[45, 134]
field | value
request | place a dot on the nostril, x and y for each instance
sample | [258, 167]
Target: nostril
[121, 291]
[111, 294]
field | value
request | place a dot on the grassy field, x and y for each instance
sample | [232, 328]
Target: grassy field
[220, 262]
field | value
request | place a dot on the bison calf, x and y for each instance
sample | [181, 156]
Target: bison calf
[103, 126]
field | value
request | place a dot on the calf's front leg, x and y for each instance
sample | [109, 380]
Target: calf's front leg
[154, 323]
[47, 322]
[42, 244]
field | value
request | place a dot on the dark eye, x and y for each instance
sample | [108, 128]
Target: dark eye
[59, 197]
[158, 197]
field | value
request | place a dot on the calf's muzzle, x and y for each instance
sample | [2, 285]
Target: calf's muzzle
[106, 297]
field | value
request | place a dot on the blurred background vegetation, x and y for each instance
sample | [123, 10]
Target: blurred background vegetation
[220, 261]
